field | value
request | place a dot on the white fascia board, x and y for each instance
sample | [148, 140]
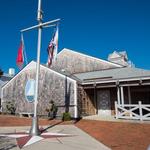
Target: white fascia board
[28, 66]
[75, 101]
[31, 66]
[134, 79]
[61, 51]
[121, 80]
[98, 59]
[109, 81]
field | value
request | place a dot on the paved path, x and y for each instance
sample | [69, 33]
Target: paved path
[79, 141]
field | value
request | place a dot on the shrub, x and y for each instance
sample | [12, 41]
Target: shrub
[10, 106]
[66, 116]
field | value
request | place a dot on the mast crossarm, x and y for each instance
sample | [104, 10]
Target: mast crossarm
[42, 25]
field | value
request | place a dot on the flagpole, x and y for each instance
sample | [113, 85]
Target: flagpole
[35, 127]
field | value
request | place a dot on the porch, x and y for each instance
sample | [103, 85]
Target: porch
[133, 101]
[132, 111]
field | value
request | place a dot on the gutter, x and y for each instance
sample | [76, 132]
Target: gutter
[115, 80]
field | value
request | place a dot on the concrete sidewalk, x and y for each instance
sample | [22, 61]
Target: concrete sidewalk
[78, 141]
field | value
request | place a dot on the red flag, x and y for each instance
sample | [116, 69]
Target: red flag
[20, 57]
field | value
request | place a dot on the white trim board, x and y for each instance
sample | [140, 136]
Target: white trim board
[114, 80]
[75, 101]
[32, 65]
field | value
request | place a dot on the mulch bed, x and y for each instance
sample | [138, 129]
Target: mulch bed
[10, 121]
[116, 135]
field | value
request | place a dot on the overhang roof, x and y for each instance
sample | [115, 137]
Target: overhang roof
[113, 74]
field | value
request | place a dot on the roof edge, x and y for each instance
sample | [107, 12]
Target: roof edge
[64, 49]
[40, 65]
[19, 72]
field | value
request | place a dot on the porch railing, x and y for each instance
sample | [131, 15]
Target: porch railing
[132, 111]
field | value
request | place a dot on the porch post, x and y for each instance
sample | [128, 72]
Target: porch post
[129, 94]
[140, 111]
[118, 95]
[95, 98]
[122, 95]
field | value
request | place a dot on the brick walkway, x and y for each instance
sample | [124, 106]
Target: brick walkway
[116, 135]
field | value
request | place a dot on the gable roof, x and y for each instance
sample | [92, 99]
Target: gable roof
[85, 55]
[75, 62]
[114, 74]
[32, 65]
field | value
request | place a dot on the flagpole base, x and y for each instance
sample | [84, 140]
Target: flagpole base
[34, 131]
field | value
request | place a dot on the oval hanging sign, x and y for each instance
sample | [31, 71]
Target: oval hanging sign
[30, 90]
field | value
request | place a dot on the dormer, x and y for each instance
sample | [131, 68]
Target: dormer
[119, 58]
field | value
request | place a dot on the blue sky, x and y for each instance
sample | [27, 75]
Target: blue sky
[93, 27]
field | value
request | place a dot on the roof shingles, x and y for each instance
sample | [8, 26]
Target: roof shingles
[118, 73]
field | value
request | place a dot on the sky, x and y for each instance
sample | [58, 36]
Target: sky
[92, 27]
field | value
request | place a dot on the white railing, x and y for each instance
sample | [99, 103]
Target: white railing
[132, 111]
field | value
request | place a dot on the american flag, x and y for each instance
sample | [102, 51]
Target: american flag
[53, 48]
